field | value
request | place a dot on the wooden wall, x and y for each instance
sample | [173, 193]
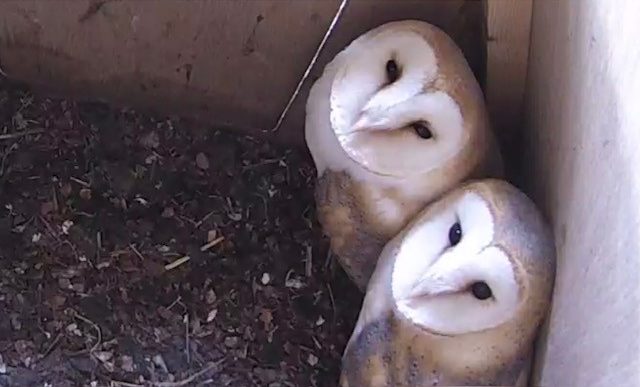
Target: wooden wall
[227, 63]
[581, 137]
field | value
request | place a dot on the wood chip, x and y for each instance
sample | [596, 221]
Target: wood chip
[212, 315]
[81, 182]
[176, 263]
[202, 161]
[308, 263]
[209, 245]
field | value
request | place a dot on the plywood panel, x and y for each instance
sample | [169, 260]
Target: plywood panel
[582, 133]
[229, 63]
[508, 37]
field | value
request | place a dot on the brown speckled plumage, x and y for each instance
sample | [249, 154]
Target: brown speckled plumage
[342, 219]
[387, 349]
[388, 352]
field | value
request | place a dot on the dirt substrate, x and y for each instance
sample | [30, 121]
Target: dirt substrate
[149, 251]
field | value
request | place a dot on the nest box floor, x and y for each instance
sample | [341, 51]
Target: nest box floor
[150, 251]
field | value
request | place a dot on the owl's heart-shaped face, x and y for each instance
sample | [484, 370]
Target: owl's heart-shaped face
[460, 292]
[400, 106]
[475, 260]
[387, 111]
[451, 277]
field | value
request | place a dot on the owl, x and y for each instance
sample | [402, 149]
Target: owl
[396, 120]
[457, 297]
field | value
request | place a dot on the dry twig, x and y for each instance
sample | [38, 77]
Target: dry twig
[336, 17]
[209, 245]
[81, 182]
[10, 136]
[95, 327]
[176, 263]
[309, 261]
[135, 250]
[179, 383]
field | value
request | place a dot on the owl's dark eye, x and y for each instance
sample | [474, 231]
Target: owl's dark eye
[455, 234]
[422, 129]
[393, 72]
[481, 290]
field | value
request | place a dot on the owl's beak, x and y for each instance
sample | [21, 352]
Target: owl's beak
[369, 120]
[360, 124]
[429, 288]
[443, 277]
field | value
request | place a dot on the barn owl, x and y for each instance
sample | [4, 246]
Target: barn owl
[457, 297]
[396, 119]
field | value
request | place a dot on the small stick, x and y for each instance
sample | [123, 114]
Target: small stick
[116, 383]
[261, 163]
[316, 342]
[333, 304]
[95, 326]
[81, 182]
[336, 17]
[327, 261]
[175, 302]
[191, 378]
[51, 346]
[177, 263]
[50, 229]
[209, 245]
[309, 261]
[186, 338]
[199, 223]
[98, 244]
[54, 198]
[135, 250]
[9, 136]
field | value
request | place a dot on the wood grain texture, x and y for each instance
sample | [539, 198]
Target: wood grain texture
[226, 63]
[508, 37]
[230, 62]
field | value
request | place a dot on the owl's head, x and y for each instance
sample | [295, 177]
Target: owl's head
[479, 258]
[400, 101]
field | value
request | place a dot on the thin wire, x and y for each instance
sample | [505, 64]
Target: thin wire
[336, 17]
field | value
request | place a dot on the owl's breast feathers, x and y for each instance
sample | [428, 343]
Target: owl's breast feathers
[390, 353]
[380, 357]
[339, 211]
